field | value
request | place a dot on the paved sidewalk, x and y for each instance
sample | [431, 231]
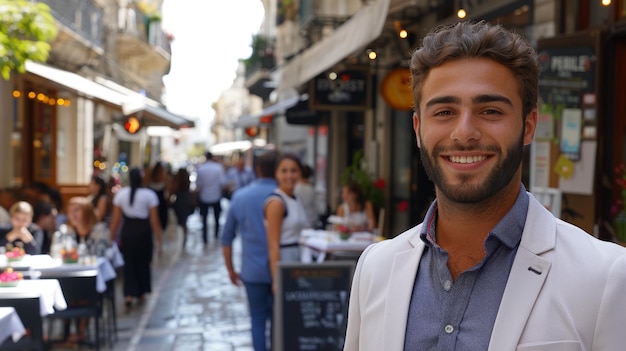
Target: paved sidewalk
[193, 305]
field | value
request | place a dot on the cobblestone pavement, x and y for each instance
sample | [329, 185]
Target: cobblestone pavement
[193, 305]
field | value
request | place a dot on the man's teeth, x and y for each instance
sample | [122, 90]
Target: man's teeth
[467, 159]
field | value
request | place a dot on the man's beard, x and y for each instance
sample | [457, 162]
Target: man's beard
[467, 193]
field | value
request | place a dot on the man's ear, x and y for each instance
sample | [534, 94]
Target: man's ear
[530, 124]
[416, 128]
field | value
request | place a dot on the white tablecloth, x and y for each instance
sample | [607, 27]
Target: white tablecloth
[10, 325]
[35, 262]
[104, 267]
[45, 263]
[115, 256]
[48, 290]
[322, 242]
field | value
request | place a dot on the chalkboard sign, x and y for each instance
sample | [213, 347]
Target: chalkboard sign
[311, 306]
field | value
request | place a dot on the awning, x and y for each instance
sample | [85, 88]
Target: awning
[158, 116]
[154, 114]
[356, 33]
[279, 107]
[76, 83]
[235, 146]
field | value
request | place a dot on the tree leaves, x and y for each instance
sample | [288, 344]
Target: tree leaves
[26, 29]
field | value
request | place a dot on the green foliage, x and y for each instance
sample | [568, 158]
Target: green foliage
[25, 30]
[259, 46]
[356, 174]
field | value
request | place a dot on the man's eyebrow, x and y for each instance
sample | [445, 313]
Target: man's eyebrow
[481, 99]
[443, 100]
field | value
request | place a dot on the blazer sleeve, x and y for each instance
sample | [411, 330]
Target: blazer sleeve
[609, 334]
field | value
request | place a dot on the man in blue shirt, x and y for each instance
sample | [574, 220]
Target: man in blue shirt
[245, 215]
[238, 175]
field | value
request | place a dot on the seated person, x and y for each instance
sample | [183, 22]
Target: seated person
[356, 210]
[21, 231]
[85, 228]
[45, 218]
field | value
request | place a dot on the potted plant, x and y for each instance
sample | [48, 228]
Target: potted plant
[357, 173]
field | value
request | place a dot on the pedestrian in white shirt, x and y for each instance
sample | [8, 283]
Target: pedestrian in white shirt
[210, 181]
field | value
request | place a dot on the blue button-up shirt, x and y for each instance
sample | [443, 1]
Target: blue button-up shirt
[459, 315]
[245, 215]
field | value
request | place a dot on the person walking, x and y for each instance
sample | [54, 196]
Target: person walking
[238, 176]
[284, 214]
[490, 268]
[245, 215]
[138, 206]
[306, 193]
[183, 204]
[210, 181]
[158, 183]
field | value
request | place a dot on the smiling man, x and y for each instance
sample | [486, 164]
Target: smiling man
[490, 268]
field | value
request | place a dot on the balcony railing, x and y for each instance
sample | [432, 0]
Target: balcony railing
[132, 21]
[84, 17]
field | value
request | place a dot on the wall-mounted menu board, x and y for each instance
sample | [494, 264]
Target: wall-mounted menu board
[311, 306]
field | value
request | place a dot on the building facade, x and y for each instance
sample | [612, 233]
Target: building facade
[73, 115]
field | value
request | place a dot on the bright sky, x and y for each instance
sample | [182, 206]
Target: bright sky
[209, 38]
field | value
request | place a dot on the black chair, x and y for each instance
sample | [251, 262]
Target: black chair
[29, 311]
[83, 300]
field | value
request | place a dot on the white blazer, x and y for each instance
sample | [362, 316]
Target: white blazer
[577, 301]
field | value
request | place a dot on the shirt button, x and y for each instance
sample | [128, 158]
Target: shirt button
[448, 329]
[447, 285]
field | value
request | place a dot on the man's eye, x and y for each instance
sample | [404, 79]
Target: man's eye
[443, 113]
[491, 112]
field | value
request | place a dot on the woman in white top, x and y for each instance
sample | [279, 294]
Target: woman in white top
[139, 208]
[284, 214]
[356, 210]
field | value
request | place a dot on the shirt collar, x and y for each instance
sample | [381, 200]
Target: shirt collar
[508, 230]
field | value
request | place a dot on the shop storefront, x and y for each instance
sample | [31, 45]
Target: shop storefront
[62, 127]
[564, 154]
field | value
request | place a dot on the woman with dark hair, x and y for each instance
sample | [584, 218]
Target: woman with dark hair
[138, 208]
[356, 210]
[44, 216]
[99, 197]
[285, 216]
[184, 203]
[158, 183]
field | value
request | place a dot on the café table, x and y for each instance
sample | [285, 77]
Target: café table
[46, 266]
[48, 290]
[10, 325]
[316, 245]
[102, 265]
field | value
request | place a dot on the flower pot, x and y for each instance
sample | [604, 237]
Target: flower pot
[344, 236]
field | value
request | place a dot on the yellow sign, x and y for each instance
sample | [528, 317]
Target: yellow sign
[396, 89]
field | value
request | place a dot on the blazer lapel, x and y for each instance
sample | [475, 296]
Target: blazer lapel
[399, 291]
[528, 274]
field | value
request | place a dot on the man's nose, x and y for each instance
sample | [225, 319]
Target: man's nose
[465, 128]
